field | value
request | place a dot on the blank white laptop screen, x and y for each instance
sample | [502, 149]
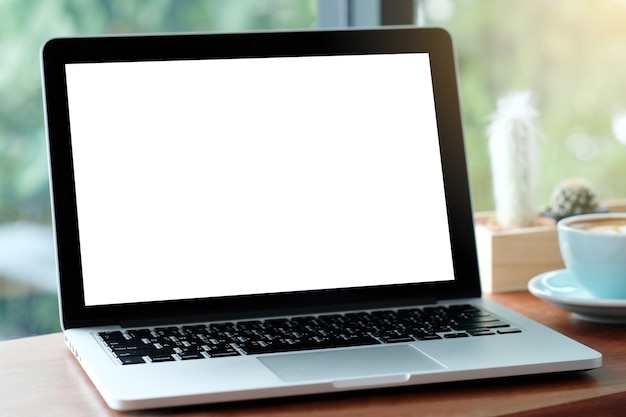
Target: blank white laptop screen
[210, 178]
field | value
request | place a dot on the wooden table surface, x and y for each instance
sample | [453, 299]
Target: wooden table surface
[39, 377]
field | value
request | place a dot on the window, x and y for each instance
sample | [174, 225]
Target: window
[570, 54]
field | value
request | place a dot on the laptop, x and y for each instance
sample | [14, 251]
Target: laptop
[271, 214]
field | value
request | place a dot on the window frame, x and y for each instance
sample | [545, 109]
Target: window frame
[351, 13]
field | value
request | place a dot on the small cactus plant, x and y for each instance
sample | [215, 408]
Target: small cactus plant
[514, 151]
[571, 197]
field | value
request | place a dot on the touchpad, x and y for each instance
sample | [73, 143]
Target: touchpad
[350, 363]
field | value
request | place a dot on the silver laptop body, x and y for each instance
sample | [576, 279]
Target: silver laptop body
[227, 184]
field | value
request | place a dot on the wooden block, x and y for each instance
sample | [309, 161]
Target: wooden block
[508, 259]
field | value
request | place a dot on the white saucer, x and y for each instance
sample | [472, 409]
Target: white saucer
[559, 289]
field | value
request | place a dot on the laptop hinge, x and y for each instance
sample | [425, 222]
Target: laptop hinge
[250, 315]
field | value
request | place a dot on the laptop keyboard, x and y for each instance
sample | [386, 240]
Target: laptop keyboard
[254, 337]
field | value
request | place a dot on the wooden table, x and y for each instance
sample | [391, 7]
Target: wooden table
[39, 377]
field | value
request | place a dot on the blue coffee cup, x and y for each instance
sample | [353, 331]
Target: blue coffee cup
[593, 247]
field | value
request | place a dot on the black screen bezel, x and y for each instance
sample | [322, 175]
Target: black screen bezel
[436, 42]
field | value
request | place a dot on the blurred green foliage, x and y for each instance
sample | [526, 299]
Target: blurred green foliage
[571, 54]
[29, 314]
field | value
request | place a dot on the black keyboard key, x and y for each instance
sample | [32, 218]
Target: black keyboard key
[455, 335]
[198, 329]
[160, 358]
[484, 325]
[187, 356]
[220, 351]
[131, 360]
[117, 349]
[479, 319]
[222, 327]
[168, 331]
[480, 332]
[395, 336]
[421, 334]
[140, 333]
[112, 336]
[250, 325]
